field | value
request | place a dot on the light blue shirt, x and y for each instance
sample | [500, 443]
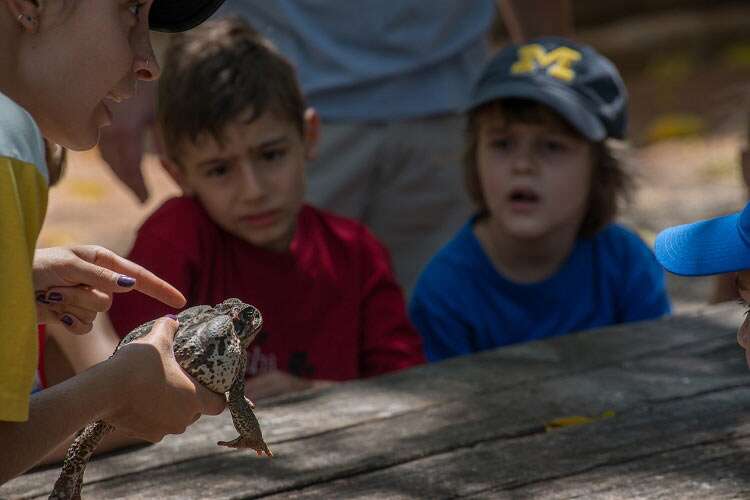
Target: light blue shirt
[377, 60]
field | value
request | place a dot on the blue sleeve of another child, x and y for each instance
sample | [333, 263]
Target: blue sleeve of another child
[436, 316]
[644, 294]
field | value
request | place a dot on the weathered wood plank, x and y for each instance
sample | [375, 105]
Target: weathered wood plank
[352, 404]
[642, 441]
[705, 471]
[438, 430]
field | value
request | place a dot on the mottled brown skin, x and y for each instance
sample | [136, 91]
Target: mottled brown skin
[210, 345]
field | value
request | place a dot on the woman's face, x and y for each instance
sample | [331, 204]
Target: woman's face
[83, 56]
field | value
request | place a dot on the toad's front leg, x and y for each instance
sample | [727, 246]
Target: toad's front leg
[244, 421]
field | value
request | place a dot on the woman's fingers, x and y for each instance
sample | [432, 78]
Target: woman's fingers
[74, 307]
[100, 268]
[83, 297]
[82, 315]
[70, 322]
[97, 267]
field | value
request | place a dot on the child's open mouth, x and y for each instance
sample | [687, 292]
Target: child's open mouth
[523, 199]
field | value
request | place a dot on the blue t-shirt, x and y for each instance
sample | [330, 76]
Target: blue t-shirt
[377, 60]
[461, 304]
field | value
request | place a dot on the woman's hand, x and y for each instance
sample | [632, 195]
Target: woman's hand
[74, 284]
[73, 307]
[157, 397]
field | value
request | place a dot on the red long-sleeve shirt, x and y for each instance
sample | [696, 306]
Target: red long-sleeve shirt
[331, 307]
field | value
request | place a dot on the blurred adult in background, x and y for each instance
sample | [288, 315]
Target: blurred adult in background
[389, 80]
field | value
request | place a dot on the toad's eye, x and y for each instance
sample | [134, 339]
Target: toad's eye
[248, 314]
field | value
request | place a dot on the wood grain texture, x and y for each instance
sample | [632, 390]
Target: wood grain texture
[361, 429]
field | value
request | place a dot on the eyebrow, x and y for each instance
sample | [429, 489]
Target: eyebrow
[274, 141]
[210, 162]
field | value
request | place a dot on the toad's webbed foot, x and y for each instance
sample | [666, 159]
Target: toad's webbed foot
[244, 421]
[253, 442]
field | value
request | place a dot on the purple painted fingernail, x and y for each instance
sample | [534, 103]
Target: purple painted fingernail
[40, 298]
[172, 316]
[67, 320]
[55, 297]
[126, 281]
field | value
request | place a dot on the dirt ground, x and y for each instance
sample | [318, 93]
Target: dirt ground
[688, 124]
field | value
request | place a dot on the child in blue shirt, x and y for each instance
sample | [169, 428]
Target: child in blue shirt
[541, 256]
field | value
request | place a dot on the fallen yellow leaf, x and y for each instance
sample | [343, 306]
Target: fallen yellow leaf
[576, 420]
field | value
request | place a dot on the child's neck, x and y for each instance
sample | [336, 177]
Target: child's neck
[525, 260]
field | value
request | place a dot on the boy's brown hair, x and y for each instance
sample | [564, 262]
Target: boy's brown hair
[610, 183]
[214, 74]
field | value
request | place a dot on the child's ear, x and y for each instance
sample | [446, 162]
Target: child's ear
[172, 168]
[176, 173]
[312, 133]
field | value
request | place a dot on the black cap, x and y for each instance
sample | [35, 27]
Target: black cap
[577, 82]
[172, 16]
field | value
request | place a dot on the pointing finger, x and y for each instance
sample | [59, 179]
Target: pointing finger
[123, 275]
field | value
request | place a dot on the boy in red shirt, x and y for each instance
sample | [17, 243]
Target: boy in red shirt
[236, 138]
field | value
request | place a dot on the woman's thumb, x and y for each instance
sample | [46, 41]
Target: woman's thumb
[164, 329]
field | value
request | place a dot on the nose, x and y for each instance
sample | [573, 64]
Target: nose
[145, 66]
[251, 185]
[523, 161]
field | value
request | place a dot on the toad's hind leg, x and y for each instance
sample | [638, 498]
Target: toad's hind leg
[68, 485]
[244, 421]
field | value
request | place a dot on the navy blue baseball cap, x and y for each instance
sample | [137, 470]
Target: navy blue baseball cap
[573, 79]
[172, 16]
[713, 246]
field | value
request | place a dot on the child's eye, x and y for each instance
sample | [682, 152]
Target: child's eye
[555, 146]
[217, 170]
[273, 155]
[501, 144]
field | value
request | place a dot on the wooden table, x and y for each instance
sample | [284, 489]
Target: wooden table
[476, 427]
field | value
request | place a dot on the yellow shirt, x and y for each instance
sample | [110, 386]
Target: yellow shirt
[23, 203]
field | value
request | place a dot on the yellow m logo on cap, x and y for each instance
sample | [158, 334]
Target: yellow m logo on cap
[557, 62]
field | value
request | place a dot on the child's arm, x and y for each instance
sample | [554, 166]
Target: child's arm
[77, 353]
[443, 333]
[389, 341]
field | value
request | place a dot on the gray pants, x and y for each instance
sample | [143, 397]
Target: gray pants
[403, 179]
